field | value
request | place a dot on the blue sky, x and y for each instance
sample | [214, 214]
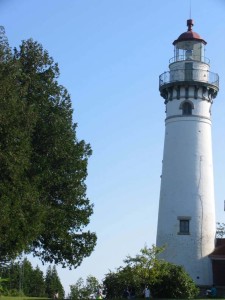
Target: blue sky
[110, 53]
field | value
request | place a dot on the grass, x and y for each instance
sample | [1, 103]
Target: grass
[22, 298]
[40, 298]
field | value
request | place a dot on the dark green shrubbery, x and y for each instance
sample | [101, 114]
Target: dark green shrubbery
[174, 283]
[165, 280]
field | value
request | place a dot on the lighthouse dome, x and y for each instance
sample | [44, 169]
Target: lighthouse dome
[189, 35]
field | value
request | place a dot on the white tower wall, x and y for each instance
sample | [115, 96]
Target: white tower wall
[187, 190]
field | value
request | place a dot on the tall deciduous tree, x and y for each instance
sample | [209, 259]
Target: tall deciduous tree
[44, 208]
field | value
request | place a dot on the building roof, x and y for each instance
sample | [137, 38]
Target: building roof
[219, 251]
[189, 35]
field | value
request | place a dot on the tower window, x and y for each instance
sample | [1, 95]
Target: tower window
[184, 225]
[187, 108]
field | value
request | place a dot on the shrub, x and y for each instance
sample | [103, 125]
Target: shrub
[175, 283]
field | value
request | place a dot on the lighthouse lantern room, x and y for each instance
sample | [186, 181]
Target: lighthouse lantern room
[189, 45]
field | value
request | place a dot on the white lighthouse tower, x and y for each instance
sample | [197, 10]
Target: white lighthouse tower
[186, 219]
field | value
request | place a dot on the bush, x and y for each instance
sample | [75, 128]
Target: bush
[165, 280]
[174, 283]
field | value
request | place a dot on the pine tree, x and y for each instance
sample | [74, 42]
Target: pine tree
[38, 283]
[53, 283]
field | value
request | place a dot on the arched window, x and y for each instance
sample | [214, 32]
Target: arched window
[187, 108]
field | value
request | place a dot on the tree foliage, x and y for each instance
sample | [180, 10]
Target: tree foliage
[2, 282]
[53, 284]
[44, 207]
[164, 279]
[174, 282]
[23, 279]
[38, 287]
[77, 290]
[141, 270]
[81, 290]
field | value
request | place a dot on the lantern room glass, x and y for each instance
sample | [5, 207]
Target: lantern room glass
[189, 50]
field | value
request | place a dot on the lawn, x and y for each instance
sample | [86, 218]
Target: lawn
[21, 298]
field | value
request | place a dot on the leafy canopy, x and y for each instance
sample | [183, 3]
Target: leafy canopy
[44, 207]
[82, 291]
[164, 279]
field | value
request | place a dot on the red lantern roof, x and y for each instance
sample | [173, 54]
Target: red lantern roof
[189, 34]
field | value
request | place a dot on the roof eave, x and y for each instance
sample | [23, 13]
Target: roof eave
[190, 39]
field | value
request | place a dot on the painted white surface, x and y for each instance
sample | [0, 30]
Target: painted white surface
[179, 67]
[187, 184]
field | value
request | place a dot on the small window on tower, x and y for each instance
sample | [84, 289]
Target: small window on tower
[184, 225]
[187, 108]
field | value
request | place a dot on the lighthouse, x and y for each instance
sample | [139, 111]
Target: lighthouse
[186, 217]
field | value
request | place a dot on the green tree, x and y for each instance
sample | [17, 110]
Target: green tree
[2, 285]
[147, 265]
[138, 271]
[32, 281]
[26, 277]
[38, 283]
[53, 283]
[13, 272]
[92, 285]
[81, 290]
[174, 282]
[44, 208]
[119, 281]
[165, 279]
[23, 279]
[77, 290]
